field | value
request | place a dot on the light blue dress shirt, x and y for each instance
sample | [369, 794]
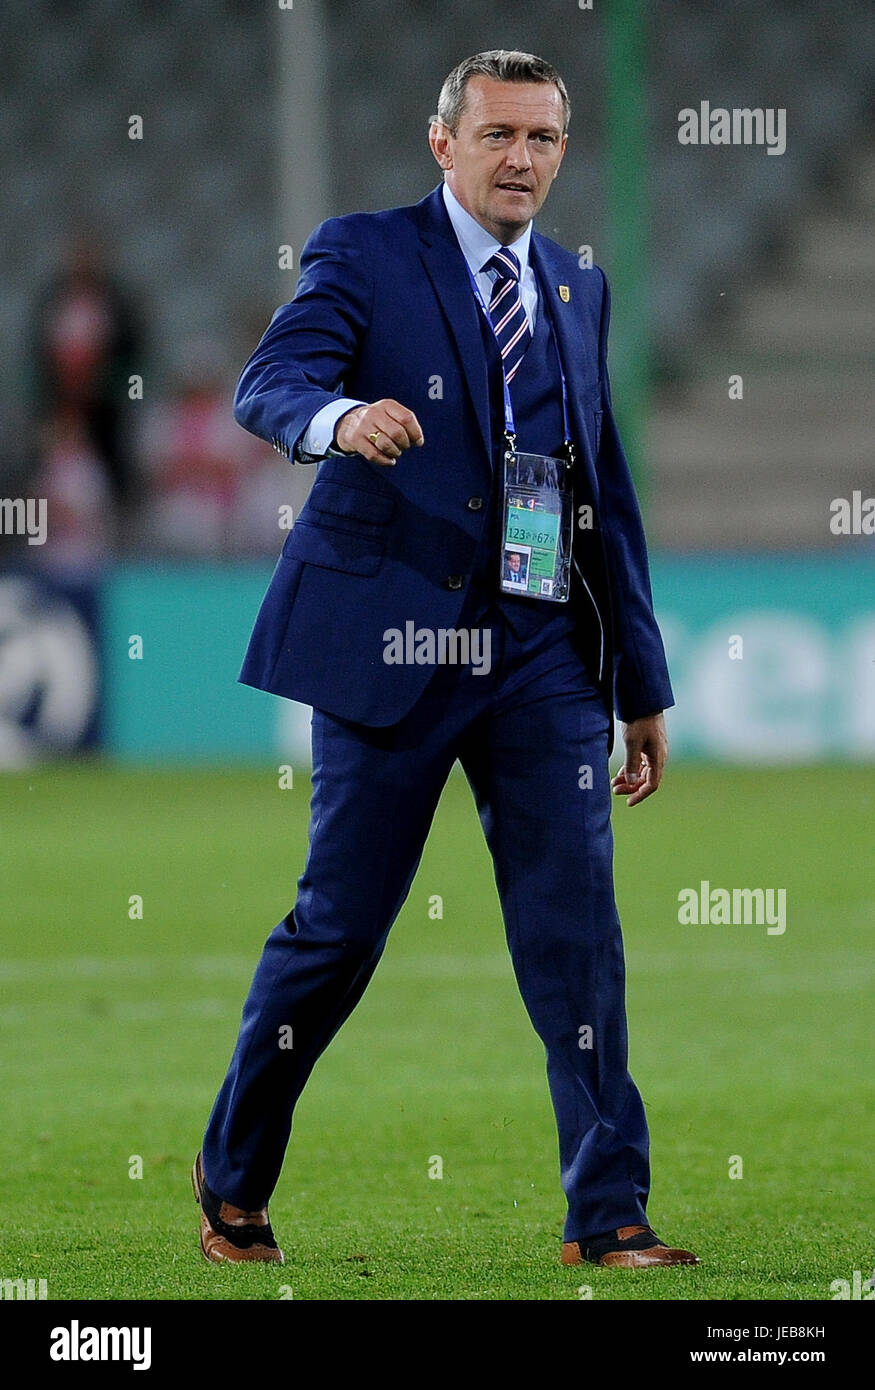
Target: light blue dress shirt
[478, 246]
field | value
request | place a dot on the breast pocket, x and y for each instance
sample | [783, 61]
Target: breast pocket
[342, 528]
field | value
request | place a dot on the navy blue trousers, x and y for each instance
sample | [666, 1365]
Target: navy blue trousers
[522, 734]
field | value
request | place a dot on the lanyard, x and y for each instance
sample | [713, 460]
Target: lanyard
[509, 428]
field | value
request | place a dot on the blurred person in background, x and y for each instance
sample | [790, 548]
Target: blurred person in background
[71, 477]
[87, 342]
[215, 490]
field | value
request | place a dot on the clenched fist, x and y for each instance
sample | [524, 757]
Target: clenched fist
[393, 425]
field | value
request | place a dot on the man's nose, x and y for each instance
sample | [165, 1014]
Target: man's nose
[518, 156]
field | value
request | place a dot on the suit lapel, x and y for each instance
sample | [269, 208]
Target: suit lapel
[551, 273]
[445, 266]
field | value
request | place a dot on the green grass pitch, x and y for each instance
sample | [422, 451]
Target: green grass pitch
[115, 1033]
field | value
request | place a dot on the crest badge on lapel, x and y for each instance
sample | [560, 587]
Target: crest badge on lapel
[564, 293]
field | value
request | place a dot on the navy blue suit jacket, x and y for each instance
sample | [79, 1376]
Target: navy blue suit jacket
[384, 308]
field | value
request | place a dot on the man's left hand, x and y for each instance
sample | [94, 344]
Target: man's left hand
[646, 755]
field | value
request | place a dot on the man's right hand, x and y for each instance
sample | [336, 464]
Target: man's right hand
[398, 429]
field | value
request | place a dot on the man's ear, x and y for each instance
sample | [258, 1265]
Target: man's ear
[438, 139]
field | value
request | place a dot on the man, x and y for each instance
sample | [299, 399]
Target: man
[391, 364]
[513, 571]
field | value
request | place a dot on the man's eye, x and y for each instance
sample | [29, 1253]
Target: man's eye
[496, 135]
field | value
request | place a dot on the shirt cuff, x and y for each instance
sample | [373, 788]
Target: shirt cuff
[316, 439]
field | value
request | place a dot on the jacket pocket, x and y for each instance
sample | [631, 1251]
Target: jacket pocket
[336, 504]
[341, 527]
[352, 552]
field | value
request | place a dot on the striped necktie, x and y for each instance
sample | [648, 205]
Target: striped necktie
[506, 311]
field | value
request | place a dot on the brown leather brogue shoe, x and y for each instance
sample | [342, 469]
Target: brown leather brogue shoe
[229, 1234]
[630, 1247]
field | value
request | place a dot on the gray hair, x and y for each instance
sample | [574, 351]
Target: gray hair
[503, 65]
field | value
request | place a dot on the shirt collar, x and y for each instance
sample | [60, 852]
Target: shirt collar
[477, 244]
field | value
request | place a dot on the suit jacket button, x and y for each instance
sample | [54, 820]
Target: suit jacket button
[455, 581]
[474, 504]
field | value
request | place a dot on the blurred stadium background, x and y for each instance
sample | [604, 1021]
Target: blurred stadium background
[158, 258]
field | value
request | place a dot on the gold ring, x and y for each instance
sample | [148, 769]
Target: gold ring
[374, 437]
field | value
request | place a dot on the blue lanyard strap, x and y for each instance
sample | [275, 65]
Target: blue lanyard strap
[509, 427]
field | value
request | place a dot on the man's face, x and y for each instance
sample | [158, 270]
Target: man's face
[505, 154]
[514, 562]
